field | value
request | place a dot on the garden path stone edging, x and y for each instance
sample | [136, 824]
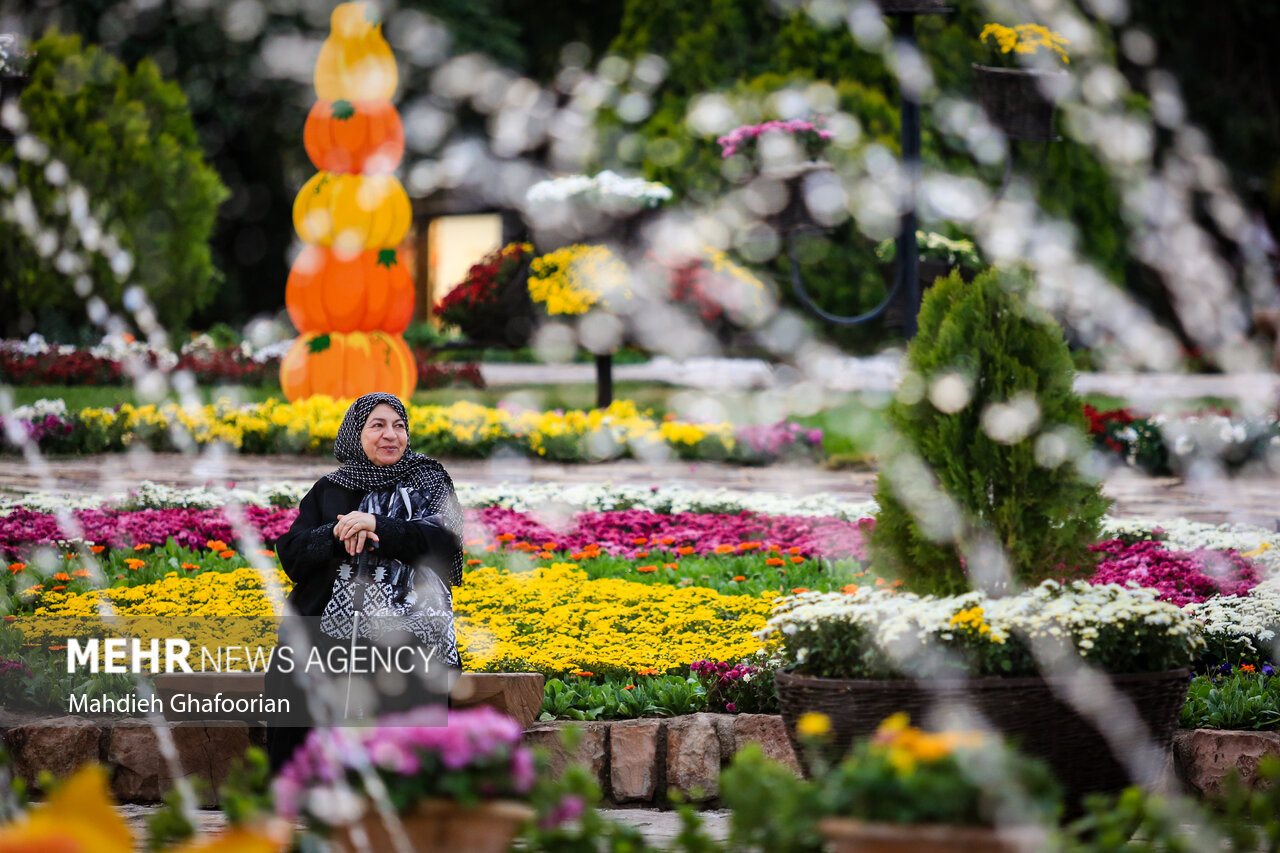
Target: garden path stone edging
[1204, 757]
[636, 762]
[130, 750]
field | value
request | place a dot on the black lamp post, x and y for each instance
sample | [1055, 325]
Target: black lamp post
[906, 276]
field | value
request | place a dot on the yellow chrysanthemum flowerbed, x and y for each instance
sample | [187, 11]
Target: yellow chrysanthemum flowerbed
[211, 609]
[460, 429]
[552, 619]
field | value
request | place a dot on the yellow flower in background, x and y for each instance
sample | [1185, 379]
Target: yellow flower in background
[813, 724]
[574, 279]
[79, 817]
[1025, 39]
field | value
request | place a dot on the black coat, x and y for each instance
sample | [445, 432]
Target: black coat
[310, 556]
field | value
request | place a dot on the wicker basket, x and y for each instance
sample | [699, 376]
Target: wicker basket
[1015, 102]
[439, 825]
[1027, 710]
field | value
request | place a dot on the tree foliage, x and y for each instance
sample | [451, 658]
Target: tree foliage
[127, 138]
[1020, 491]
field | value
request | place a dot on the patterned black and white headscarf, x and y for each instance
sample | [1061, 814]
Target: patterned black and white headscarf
[414, 471]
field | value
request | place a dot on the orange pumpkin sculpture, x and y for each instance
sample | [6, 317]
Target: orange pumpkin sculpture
[348, 293]
[327, 292]
[355, 62]
[352, 212]
[346, 366]
[365, 136]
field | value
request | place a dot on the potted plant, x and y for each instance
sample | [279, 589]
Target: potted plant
[981, 515]
[491, 305]
[460, 786]
[572, 208]
[786, 151]
[851, 663]
[1019, 100]
[905, 790]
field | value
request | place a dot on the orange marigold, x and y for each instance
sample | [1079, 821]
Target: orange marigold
[685, 549]
[215, 545]
[474, 561]
[739, 577]
[17, 567]
[648, 670]
[799, 589]
[670, 565]
[584, 673]
[642, 554]
[797, 559]
[849, 588]
[134, 563]
[748, 546]
[724, 549]
[190, 566]
[97, 549]
[639, 540]
[62, 576]
[226, 554]
[773, 561]
[142, 546]
[505, 537]
[646, 568]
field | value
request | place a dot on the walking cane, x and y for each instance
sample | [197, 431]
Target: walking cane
[358, 587]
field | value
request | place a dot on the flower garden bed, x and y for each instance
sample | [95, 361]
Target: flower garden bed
[636, 585]
[36, 363]
[463, 429]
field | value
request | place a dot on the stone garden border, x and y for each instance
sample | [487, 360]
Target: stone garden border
[635, 762]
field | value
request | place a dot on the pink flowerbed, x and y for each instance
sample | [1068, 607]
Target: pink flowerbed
[617, 532]
[191, 528]
[1181, 577]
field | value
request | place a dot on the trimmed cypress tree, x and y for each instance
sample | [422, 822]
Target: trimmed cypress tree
[1006, 477]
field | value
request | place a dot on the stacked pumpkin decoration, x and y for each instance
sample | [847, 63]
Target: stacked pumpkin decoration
[348, 294]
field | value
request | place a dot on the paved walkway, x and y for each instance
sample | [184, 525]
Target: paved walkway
[875, 373]
[658, 827]
[1251, 500]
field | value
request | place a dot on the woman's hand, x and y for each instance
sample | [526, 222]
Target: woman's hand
[354, 529]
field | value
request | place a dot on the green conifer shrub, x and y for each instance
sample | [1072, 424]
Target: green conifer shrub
[127, 138]
[1019, 490]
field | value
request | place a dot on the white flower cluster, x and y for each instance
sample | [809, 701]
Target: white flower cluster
[117, 348]
[605, 186]
[1215, 435]
[603, 497]
[41, 408]
[1249, 625]
[903, 625]
[1258, 543]
[150, 495]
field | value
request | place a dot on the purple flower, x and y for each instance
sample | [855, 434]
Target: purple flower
[730, 707]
